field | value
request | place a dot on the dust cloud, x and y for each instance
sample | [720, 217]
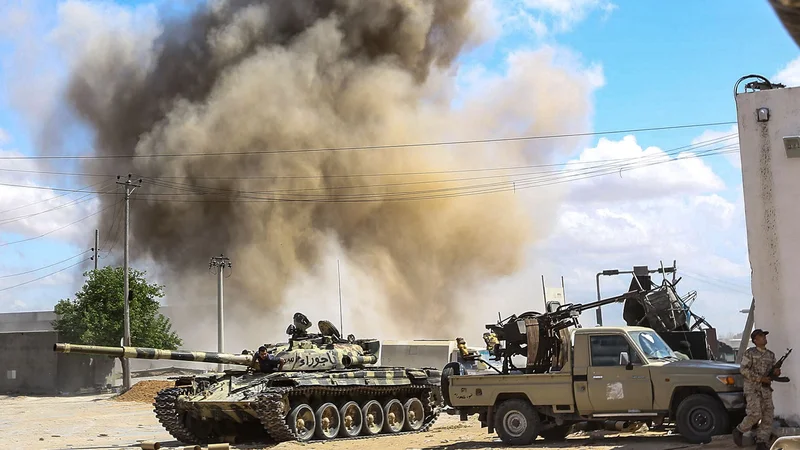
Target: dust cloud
[278, 76]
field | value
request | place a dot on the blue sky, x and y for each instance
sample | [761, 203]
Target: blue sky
[661, 65]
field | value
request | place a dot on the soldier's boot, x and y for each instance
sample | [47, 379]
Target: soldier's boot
[762, 446]
[737, 436]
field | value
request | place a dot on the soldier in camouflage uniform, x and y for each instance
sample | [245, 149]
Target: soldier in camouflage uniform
[755, 366]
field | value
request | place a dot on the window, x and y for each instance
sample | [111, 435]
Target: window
[606, 349]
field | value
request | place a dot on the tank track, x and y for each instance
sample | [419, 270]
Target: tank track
[269, 405]
[166, 412]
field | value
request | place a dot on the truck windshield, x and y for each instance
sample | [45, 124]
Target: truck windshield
[652, 345]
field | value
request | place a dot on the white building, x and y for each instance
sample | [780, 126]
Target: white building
[769, 138]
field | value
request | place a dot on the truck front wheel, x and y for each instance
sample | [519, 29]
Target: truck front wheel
[516, 422]
[699, 417]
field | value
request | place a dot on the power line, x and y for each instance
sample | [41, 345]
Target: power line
[204, 190]
[155, 180]
[367, 175]
[621, 162]
[59, 228]
[83, 189]
[544, 178]
[83, 198]
[44, 267]
[44, 276]
[541, 181]
[365, 147]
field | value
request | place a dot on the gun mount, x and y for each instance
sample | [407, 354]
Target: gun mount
[324, 391]
[540, 336]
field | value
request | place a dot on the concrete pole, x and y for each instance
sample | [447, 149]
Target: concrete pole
[126, 312]
[748, 328]
[220, 262]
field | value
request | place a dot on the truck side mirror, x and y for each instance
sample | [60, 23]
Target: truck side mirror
[625, 360]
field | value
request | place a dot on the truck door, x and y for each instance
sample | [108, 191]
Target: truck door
[615, 387]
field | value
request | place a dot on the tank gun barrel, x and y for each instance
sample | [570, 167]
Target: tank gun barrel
[154, 353]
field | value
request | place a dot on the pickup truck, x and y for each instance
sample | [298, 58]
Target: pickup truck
[610, 373]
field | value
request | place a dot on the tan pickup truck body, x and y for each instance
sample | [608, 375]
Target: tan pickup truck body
[611, 373]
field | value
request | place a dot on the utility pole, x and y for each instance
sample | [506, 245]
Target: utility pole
[96, 241]
[126, 368]
[220, 262]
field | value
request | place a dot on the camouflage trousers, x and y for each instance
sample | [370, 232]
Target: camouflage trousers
[759, 408]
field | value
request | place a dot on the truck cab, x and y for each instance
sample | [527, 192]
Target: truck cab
[609, 373]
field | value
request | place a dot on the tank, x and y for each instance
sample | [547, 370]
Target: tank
[327, 388]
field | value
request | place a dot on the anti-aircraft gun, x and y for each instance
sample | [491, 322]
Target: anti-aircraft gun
[668, 313]
[325, 390]
[540, 336]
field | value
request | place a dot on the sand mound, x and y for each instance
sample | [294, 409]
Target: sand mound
[144, 391]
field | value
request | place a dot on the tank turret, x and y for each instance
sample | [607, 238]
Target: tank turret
[305, 352]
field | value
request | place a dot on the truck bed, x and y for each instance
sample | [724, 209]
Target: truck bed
[549, 389]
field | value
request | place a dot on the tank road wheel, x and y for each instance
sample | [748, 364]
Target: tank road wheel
[415, 414]
[373, 417]
[516, 422]
[328, 421]
[352, 420]
[301, 421]
[395, 416]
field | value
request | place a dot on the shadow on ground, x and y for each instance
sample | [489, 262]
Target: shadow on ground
[613, 443]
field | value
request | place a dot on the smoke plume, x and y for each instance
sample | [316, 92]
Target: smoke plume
[277, 76]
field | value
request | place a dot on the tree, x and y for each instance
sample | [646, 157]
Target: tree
[95, 317]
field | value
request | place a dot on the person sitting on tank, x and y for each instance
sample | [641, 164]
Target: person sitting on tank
[265, 362]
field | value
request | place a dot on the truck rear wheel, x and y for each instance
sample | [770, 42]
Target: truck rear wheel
[453, 368]
[700, 417]
[516, 422]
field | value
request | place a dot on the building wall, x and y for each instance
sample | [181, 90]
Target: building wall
[28, 363]
[27, 321]
[771, 183]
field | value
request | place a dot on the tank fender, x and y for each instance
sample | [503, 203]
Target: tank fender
[417, 375]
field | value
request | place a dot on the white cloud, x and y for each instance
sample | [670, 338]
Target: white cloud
[31, 212]
[624, 171]
[4, 137]
[729, 139]
[678, 210]
[789, 74]
[570, 12]
[544, 17]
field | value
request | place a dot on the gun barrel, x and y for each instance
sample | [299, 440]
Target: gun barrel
[608, 301]
[360, 360]
[154, 353]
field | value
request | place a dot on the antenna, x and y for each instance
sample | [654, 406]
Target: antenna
[544, 294]
[339, 276]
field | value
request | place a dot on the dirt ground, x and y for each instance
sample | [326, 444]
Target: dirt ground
[105, 422]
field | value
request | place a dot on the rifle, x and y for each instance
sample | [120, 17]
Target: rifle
[771, 373]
